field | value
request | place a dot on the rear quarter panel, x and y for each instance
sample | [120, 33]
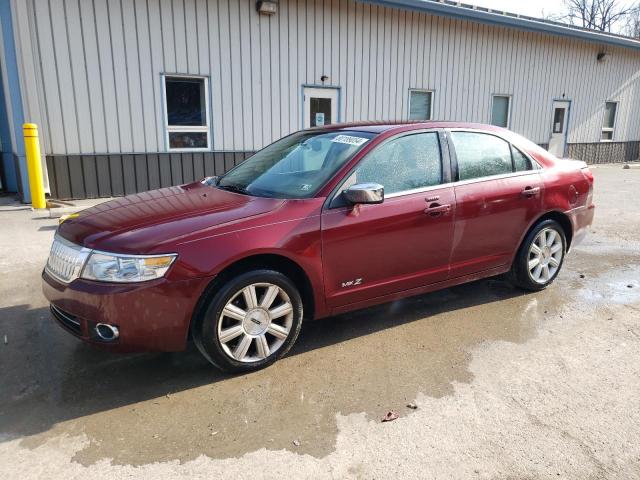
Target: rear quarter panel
[567, 191]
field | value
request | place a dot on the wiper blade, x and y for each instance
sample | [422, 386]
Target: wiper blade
[234, 188]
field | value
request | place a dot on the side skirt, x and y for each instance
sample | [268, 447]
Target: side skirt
[421, 290]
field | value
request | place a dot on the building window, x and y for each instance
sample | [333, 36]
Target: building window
[420, 104]
[501, 110]
[187, 113]
[610, 109]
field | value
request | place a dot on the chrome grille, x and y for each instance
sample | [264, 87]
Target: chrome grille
[66, 260]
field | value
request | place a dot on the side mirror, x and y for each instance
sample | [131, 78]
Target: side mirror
[363, 193]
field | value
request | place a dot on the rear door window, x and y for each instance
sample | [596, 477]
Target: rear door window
[481, 155]
[521, 162]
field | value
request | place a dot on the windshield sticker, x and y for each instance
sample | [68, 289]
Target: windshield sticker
[349, 140]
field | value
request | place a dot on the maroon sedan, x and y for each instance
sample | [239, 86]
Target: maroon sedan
[321, 222]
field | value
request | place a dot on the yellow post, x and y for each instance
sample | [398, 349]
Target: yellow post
[32, 150]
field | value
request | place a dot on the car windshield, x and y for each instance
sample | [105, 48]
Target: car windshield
[296, 166]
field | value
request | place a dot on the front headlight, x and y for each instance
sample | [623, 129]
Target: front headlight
[109, 267]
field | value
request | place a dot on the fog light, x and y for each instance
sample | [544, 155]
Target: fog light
[106, 332]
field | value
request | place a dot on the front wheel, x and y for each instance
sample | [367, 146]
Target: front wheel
[540, 257]
[250, 322]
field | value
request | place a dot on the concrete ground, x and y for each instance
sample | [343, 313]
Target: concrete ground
[507, 384]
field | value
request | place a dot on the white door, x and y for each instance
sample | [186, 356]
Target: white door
[560, 122]
[320, 106]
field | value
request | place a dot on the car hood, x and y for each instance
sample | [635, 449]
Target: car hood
[152, 222]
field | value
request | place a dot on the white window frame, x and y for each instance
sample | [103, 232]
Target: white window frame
[186, 128]
[615, 120]
[421, 90]
[509, 97]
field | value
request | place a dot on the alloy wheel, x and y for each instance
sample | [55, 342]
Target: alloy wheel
[255, 322]
[545, 255]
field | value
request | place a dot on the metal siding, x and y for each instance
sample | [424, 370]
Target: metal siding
[202, 29]
[76, 176]
[104, 176]
[180, 36]
[120, 76]
[235, 68]
[55, 126]
[246, 77]
[93, 77]
[276, 104]
[90, 179]
[191, 35]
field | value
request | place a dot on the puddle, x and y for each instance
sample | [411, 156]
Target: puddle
[620, 286]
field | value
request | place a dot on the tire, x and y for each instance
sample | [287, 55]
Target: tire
[235, 331]
[538, 276]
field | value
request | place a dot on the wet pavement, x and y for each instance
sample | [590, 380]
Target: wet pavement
[507, 383]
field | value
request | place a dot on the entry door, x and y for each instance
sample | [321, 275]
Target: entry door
[320, 106]
[560, 122]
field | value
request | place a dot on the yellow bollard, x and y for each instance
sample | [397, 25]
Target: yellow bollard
[32, 150]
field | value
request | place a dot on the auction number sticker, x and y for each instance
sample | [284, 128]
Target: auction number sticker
[349, 140]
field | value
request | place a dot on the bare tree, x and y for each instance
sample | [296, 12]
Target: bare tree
[603, 15]
[632, 26]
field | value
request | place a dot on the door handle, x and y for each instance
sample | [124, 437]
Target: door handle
[436, 210]
[530, 191]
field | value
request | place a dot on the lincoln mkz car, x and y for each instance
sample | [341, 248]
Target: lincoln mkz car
[321, 222]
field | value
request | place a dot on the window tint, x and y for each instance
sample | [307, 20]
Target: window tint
[520, 162]
[500, 110]
[419, 105]
[320, 111]
[610, 109]
[481, 155]
[186, 106]
[403, 164]
[610, 114]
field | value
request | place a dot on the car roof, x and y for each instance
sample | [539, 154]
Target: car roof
[393, 127]
[385, 126]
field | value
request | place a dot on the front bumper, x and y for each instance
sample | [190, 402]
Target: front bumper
[150, 316]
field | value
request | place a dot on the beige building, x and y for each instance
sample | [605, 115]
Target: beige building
[136, 94]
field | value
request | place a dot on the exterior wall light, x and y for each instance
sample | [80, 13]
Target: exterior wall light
[267, 7]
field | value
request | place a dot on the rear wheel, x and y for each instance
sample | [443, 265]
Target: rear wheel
[540, 257]
[250, 322]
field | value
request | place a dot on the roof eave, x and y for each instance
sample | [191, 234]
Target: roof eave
[494, 18]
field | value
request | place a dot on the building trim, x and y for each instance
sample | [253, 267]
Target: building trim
[522, 22]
